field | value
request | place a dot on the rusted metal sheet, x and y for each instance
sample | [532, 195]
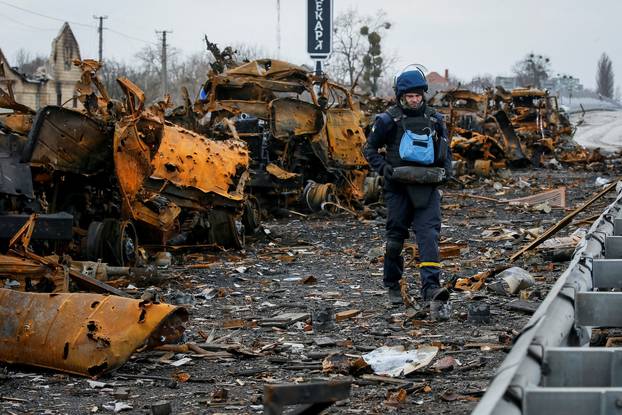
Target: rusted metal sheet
[259, 109]
[17, 122]
[345, 138]
[511, 144]
[131, 160]
[27, 275]
[84, 334]
[157, 160]
[269, 68]
[280, 173]
[291, 117]
[67, 140]
[181, 158]
[187, 159]
[93, 103]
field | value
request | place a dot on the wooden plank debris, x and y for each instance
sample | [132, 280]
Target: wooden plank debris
[563, 222]
[345, 315]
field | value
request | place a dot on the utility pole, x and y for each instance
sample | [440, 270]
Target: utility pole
[100, 30]
[278, 28]
[163, 60]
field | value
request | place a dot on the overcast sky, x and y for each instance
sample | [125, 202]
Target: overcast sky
[467, 37]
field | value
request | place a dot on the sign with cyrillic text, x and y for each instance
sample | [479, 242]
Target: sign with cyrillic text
[319, 28]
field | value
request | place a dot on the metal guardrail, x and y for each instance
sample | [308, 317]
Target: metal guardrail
[551, 369]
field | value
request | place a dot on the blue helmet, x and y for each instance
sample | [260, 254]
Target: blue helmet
[410, 80]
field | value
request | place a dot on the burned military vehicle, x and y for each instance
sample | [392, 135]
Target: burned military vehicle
[122, 171]
[303, 133]
[496, 128]
[536, 116]
[482, 135]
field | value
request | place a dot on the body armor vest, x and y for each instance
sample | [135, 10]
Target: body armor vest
[417, 124]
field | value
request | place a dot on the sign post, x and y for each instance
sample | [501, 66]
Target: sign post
[319, 31]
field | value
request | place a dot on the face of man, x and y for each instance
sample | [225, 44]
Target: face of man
[413, 100]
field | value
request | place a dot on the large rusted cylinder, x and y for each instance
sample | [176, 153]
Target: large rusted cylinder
[85, 334]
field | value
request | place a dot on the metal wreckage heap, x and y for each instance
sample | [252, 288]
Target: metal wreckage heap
[497, 129]
[304, 133]
[88, 184]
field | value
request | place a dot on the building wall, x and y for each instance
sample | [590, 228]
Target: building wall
[59, 88]
[32, 94]
[65, 75]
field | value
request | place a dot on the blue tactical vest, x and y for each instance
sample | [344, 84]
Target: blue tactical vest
[422, 132]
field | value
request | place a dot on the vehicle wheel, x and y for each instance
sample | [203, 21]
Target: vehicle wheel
[251, 218]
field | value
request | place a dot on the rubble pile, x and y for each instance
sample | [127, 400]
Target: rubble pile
[498, 129]
[304, 306]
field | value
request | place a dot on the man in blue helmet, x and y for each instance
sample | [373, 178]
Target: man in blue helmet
[415, 139]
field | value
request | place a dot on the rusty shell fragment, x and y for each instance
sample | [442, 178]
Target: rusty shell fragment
[84, 334]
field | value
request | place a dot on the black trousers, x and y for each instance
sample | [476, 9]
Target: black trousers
[425, 222]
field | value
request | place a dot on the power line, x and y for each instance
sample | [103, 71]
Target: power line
[23, 24]
[100, 29]
[129, 37]
[73, 23]
[46, 16]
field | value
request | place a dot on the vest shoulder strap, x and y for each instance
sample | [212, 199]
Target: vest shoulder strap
[395, 113]
[432, 114]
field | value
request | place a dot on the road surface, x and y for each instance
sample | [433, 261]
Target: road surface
[600, 129]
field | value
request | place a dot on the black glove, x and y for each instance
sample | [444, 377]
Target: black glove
[387, 171]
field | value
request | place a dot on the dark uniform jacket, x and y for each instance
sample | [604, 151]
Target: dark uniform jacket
[387, 132]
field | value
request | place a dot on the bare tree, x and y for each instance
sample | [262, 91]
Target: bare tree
[150, 68]
[604, 76]
[481, 82]
[532, 70]
[246, 52]
[357, 38]
[28, 64]
[190, 73]
[348, 47]
[110, 71]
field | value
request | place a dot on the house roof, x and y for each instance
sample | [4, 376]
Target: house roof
[436, 78]
[6, 67]
[65, 30]
[4, 62]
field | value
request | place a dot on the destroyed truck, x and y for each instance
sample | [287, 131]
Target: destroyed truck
[303, 132]
[482, 135]
[496, 128]
[536, 116]
[121, 171]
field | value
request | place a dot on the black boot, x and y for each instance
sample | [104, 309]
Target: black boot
[436, 294]
[395, 295]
